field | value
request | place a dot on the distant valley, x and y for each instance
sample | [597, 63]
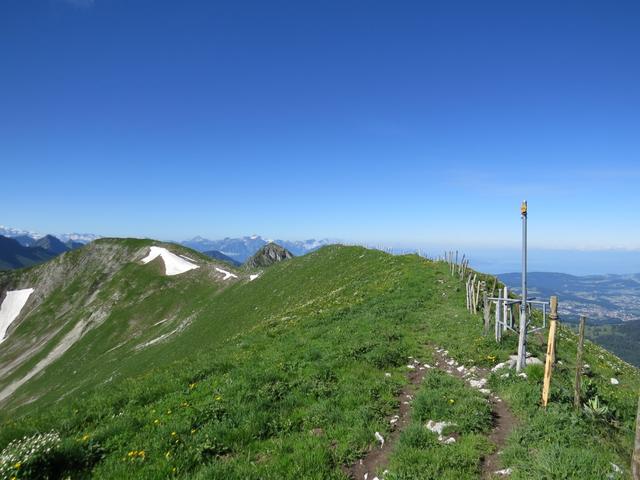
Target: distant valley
[604, 299]
[611, 304]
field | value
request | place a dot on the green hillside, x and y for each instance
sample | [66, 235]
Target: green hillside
[286, 376]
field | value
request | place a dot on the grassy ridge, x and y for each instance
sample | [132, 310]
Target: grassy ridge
[284, 377]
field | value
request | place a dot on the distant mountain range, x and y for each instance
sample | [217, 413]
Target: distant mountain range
[221, 256]
[27, 237]
[15, 254]
[241, 249]
[232, 250]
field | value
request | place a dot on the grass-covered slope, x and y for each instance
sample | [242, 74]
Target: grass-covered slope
[286, 377]
[92, 317]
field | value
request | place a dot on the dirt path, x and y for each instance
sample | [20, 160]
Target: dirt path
[503, 420]
[378, 455]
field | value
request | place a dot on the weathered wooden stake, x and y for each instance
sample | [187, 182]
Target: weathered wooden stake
[476, 297]
[498, 321]
[493, 288]
[473, 283]
[576, 389]
[635, 459]
[486, 308]
[548, 366]
[505, 307]
[468, 297]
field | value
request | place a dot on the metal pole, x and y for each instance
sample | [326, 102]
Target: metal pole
[522, 339]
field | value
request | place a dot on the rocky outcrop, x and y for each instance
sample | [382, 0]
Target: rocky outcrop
[268, 255]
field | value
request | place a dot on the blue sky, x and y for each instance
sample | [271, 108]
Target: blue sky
[419, 123]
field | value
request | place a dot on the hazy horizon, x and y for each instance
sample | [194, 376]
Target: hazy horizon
[492, 260]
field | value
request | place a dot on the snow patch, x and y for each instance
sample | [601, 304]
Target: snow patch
[227, 275]
[11, 308]
[615, 381]
[253, 277]
[174, 265]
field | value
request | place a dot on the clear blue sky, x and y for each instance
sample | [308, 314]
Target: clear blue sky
[395, 122]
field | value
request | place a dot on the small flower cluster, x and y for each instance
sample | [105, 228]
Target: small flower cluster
[136, 455]
[20, 454]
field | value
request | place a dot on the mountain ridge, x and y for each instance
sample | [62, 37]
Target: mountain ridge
[148, 359]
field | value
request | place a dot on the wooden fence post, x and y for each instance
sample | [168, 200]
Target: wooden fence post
[476, 297]
[473, 283]
[576, 390]
[498, 320]
[553, 316]
[505, 306]
[486, 308]
[635, 459]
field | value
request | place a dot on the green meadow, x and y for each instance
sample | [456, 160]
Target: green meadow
[284, 377]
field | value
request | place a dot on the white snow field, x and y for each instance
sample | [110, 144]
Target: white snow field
[254, 276]
[227, 275]
[173, 264]
[11, 307]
